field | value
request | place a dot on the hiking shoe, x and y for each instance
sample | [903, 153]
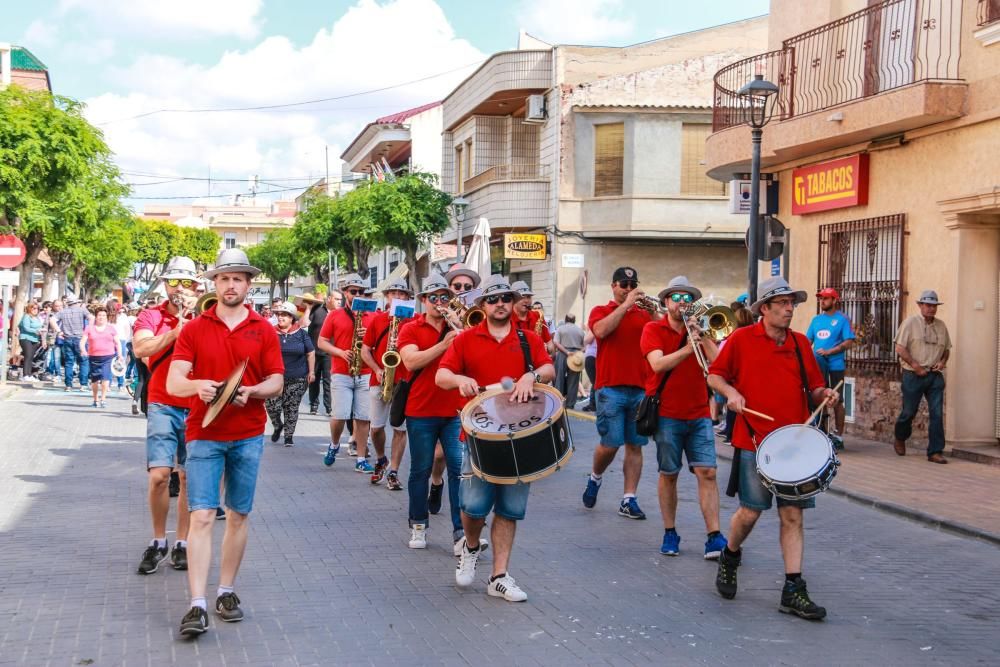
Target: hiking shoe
[392, 481]
[174, 485]
[795, 600]
[725, 579]
[434, 498]
[504, 587]
[629, 509]
[278, 428]
[590, 493]
[465, 573]
[418, 536]
[220, 514]
[457, 549]
[227, 606]
[364, 466]
[151, 559]
[194, 623]
[331, 454]
[379, 471]
[671, 543]
[179, 557]
[714, 547]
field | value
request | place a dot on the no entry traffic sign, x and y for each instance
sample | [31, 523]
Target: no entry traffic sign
[12, 251]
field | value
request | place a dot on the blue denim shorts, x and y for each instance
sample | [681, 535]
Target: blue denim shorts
[693, 438]
[206, 462]
[165, 436]
[477, 497]
[753, 494]
[616, 415]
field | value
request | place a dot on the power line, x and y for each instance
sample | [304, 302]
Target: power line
[231, 194]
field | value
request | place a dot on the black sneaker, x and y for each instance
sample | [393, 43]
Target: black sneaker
[220, 514]
[313, 410]
[289, 441]
[194, 623]
[179, 557]
[227, 606]
[151, 559]
[725, 579]
[434, 498]
[795, 600]
[277, 432]
[174, 486]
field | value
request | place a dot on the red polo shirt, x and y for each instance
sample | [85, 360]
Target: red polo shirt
[619, 361]
[685, 395]
[478, 355]
[768, 376]
[530, 323]
[159, 321]
[378, 324]
[338, 328]
[426, 398]
[215, 350]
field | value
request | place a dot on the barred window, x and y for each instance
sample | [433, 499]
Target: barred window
[693, 178]
[863, 261]
[609, 159]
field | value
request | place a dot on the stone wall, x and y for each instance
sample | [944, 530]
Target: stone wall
[877, 401]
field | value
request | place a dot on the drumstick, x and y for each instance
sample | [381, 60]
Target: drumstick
[507, 384]
[758, 414]
[822, 406]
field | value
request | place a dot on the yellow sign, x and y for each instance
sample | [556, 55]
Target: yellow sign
[524, 246]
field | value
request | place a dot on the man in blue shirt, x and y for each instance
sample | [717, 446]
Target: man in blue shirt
[830, 334]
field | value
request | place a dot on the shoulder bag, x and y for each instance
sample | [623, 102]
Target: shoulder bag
[647, 414]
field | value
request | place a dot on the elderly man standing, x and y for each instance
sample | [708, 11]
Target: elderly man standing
[923, 346]
[72, 322]
[568, 341]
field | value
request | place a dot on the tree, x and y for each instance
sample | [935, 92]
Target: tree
[107, 258]
[280, 257]
[159, 240]
[322, 228]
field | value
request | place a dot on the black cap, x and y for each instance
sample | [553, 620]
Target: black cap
[625, 273]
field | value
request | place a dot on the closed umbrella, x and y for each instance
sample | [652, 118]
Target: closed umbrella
[478, 257]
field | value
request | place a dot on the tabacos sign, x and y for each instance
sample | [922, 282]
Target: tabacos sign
[524, 246]
[829, 185]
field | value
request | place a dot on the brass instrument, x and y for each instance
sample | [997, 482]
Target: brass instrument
[540, 323]
[356, 339]
[650, 305]
[390, 359]
[469, 316]
[717, 321]
[205, 301]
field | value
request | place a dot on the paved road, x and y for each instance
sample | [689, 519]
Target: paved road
[328, 578]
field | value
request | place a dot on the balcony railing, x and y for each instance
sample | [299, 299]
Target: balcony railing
[880, 48]
[987, 11]
[505, 172]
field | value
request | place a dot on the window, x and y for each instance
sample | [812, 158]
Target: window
[261, 236]
[609, 157]
[693, 178]
[373, 276]
[460, 173]
[469, 164]
[863, 261]
[393, 264]
[987, 11]
[229, 239]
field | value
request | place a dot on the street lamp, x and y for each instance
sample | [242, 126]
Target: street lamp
[757, 104]
[458, 206]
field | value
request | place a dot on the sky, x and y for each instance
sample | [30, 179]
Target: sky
[127, 58]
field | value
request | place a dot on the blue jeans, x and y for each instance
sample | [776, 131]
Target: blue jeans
[693, 438]
[72, 357]
[55, 359]
[130, 369]
[914, 389]
[208, 459]
[753, 494]
[423, 433]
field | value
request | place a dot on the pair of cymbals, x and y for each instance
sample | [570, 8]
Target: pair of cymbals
[225, 394]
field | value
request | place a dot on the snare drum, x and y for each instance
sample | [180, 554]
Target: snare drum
[796, 462]
[512, 443]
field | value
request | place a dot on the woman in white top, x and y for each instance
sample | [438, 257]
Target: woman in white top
[120, 321]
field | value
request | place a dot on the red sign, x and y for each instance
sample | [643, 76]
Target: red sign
[829, 185]
[12, 251]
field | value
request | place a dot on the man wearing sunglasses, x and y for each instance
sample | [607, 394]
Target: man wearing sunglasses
[525, 317]
[620, 386]
[350, 394]
[480, 356]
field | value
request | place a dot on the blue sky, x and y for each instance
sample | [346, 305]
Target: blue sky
[126, 57]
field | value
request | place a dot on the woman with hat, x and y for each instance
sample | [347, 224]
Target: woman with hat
[299, 355]
[100, 343]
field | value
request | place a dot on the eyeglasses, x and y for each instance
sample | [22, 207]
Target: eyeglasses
[782, 303]
[438, 298]
[186, 283]
[493, 299]
[354, 292]
[461, 287]
[628, 284]
[677, 297]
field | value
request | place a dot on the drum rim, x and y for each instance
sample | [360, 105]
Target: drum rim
[524, 479]
[511, 435]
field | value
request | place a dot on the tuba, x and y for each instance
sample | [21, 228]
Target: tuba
[390, 359]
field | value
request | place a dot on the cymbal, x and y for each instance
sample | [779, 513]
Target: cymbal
[226, 394]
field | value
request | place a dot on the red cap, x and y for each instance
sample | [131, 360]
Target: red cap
[828, 292]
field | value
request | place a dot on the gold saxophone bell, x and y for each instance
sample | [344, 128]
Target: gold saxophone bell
[205, 301]
[390, 359]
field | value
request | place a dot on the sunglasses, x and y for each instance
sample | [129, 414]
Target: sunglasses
[355, 292]
[438, 298]
[493, 299]
[677, 297]
[183, 282]
[628, 284]
[461, 287]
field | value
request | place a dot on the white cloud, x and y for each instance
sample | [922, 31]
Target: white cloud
[177, 18]
[40, 34]
[576, 21]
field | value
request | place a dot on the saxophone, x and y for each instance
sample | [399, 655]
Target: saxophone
[356, 338]
[390, 359]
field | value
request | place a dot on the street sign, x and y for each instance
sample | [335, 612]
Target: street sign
[12, 251]
[776, 266]
[584, 279]
[572, 260]
[10, 278]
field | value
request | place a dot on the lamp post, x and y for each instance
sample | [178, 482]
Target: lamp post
[758, 98]
[458, 206]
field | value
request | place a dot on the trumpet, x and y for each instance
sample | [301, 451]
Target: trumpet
[650, 305]
[469, 316]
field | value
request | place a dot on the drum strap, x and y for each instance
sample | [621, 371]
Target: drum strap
[529, 367]
[802, 373]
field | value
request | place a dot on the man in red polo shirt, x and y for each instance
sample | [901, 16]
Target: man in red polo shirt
[480, 356]
[526, 318]
[620, 386]
[376, 343]
[207, 351]
[761, 367]
[685, 426]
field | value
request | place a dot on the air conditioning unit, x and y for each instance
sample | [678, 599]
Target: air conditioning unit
[536, 109]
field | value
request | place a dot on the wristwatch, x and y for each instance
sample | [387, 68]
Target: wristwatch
[538, 378]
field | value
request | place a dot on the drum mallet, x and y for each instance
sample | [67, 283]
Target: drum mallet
[822, 406]
[758, 414]
[507, 384]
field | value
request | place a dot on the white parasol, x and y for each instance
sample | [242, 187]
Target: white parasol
[478, 257]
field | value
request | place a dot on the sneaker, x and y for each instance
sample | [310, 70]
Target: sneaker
[220, 514]
[590, 494]
[671, 543]
[392, 481]
[714, 547]
[434, 498]
[364, 466]
[151, 559]
[104, 404]
[289, 441]
[179, 557]
[795, 600]
[277, 432]
[838, 442]
[174, 485]
[331, 454]
[135, 407]
[629, 509]
[194, 623]
[352, 448]
[379, 471]
[457, 549]
[418, 536]
[504, 587]
[227, 606]
[314, 410]
[725, 579]
[465, 573]
[93, 404]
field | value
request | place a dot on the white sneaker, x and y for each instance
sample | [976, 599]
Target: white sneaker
[28, 378]
[505, 588]
[457, 549]
[418, 536]
[465, 573]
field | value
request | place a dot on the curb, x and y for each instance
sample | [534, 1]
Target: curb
[8, 390]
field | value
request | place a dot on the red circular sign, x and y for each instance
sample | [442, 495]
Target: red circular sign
[12, 251]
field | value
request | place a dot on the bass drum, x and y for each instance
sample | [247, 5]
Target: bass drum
[796, 462]
[512, 443]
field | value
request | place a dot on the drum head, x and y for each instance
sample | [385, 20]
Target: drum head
[492, 416]
[794, 452]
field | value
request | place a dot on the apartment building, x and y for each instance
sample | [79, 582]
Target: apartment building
[19, 66]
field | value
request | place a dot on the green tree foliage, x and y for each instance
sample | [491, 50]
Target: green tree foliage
[322, 227]
[280, 257]
[156, 241]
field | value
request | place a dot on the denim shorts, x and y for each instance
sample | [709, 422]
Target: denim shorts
[350, 397]
[692, 437]
[165, 436]
[477, 497]
[616, 415]
[753, 494]
[379, 411]
[206, 462]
